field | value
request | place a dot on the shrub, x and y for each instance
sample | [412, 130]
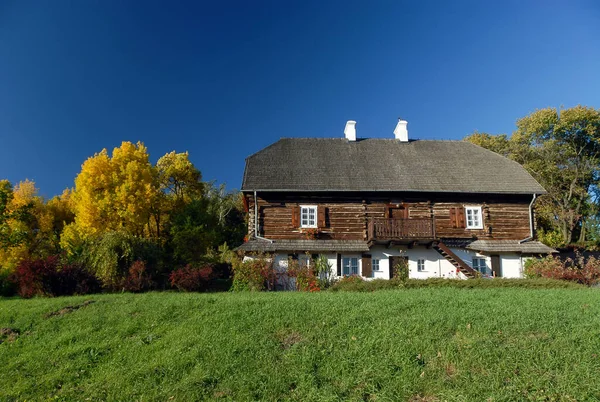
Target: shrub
[306, 280]
[401, 270]
[8, 287]
[583, 271]
[352, 283]
[71, 279]
[111, 255]
[221, 270]
[323, 272]
[33, 276]
[190, 279]
[139, 279]
[254, 274]
[49, 277]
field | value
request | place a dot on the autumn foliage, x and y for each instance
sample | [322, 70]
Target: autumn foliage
[51, 277]
[129, 222]
[191, 279]
[585, 271]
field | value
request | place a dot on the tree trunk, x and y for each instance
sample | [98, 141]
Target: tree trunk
[582, 233]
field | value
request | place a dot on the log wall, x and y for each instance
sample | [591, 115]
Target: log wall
[504, 217]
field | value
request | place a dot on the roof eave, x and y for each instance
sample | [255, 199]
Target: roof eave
[281, 190]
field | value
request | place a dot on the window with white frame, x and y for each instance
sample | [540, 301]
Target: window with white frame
[474, 219]
[480, 265]
[375, 266]
[349, 266]
[304, 260]
[421, 265]
[308, 216]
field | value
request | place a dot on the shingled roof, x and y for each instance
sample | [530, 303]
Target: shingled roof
[502, 246]
[257, 245]
[336, 164]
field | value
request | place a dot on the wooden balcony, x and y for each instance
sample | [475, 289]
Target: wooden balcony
[400, 229]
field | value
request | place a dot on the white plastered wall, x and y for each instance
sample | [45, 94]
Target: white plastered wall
[436, 266]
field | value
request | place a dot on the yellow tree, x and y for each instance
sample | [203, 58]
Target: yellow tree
[33, 224]
[179, 183]
[178, 177]
[113, 193]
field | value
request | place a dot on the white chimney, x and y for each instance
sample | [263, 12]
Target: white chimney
[350, 130]
[401, 132]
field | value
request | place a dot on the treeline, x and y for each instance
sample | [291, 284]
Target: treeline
[124, 219]
[560, 148]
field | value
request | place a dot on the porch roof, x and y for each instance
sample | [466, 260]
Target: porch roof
[499, 246]
[264, 246]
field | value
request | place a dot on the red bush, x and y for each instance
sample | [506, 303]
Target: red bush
[190, 279]
[48, 277]
[138, 279]
[583, 271]
[32, 276]
[306, 280]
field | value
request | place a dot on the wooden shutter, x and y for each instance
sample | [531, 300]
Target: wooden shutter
[321, 216]
[461, 221]
[453, 217]
[296, 216]
[367, 269]
[339, 265]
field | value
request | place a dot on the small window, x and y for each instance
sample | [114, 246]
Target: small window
[421, 265]
[349, 266]
[474, 220]
[376, 264]
[480, 265]
[304, 261]
[308, 216]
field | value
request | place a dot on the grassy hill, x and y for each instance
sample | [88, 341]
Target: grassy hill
[418, 345]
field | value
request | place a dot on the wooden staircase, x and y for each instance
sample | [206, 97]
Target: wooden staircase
[455, 260]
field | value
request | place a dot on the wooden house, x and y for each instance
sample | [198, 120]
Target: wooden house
[448, 208]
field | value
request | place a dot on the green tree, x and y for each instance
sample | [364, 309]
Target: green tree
[497, 143]
[205, 223]
[561, 149]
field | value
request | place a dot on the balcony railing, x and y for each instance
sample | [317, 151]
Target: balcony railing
[400, 229]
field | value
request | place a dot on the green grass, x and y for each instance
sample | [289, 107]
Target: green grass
[417, 344]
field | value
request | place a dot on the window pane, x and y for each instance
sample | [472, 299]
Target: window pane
[308, 216]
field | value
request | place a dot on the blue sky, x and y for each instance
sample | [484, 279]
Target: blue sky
[224, 79]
